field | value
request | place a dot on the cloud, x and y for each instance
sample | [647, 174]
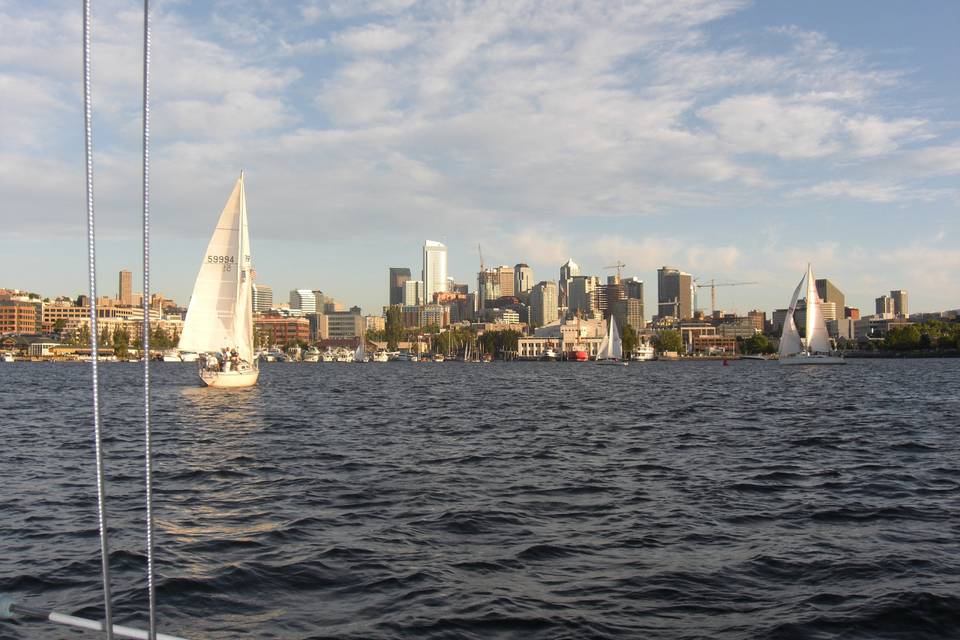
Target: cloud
[373, 39]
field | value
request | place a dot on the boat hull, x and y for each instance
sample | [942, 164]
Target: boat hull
[230, 379]
[811, 360]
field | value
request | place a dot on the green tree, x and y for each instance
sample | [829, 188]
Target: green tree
[903, 338]
[669, 340]
[121, 340]
[757, 343]
[629, 339]
[59, 325]
[394, 326]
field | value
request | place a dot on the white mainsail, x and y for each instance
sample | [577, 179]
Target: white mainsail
[816, 338]
[221, 310]
[611, 348]
[790, 337]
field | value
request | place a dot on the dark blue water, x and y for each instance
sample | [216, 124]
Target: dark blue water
[540, 500]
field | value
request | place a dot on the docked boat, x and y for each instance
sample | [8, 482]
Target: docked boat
[381, 356]
[578, 353]
[311, 355]
[611, 348]
[220, 315]
[643, 352]
[189, 356]
[438, 357]
[814, 347]
[171, 355]
[328, 356]
[549, 355]
[7, 357]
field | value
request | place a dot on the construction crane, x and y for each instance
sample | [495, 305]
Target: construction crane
[618, 267]
[713, 290]
[480, 251]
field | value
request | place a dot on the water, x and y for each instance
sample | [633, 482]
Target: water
[525, 500]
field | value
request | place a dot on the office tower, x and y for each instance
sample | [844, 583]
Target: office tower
[581, 296]
[262, 298]
[828, 292]
[674, 293]
[628, 311]
[434, 269]
[505, 276]
[304, 300]
[398, 275]
[900, 303]
[413, 293]
[758, 318]
[633, 287]
[885, 305]
[568, 270]
[604, 296]
[543, 303]
[488, 287]
[125, 297]
[522, 279]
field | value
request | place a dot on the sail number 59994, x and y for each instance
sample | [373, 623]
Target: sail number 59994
[226, 261]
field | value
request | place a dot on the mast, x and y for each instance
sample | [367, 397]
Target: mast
[811, 310]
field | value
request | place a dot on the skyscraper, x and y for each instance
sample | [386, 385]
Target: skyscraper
[434, 269]
[398, 275]
[522, 278]
[581, 295]
[674, 293]
[488, 287]
[413, 293]
[505, 275]
[125, 296]
[828, 292]
[900, 303]
[304, 300]
[885, 306]
[262, 298]
[568, 270]
[543, 303]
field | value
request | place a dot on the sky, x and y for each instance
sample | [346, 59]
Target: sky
[734, 140]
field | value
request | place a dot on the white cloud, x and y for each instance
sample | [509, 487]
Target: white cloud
[373, 39]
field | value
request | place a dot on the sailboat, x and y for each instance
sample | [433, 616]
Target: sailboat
[814, 348]
[220, 316]
[360, 355]
[611, 348]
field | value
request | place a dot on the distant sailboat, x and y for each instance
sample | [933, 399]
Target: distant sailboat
[611, 348]
[814, 348]
[360, 355]
[220, 315]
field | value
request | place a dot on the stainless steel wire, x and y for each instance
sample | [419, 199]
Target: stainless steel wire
[145, 341]
[94, 335]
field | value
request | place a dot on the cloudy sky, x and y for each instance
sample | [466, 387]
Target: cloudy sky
[731, 139]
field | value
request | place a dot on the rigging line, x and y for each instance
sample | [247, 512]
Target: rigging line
[145, 341]
[94, 337]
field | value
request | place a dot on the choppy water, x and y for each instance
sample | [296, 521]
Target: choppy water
[664, 500]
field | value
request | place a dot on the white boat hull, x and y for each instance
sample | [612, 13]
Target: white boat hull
[809, 360]
[230, 379]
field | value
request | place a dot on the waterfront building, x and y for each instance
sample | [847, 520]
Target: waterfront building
[434, 269]
[689, 331]
[900, 309]
[125, 295]
[522, 278]
[21, 316]
[580, 295]
[276, 329]
[674, 293]
[341, 325]
[568, 270]
[304, 300]
[885, 306]
[413, 293]
[841, 328]
[543, 303]
[712, 345]
[744, 327]
[375, 323]
[828, 292]
[262, 298]
[398, 276]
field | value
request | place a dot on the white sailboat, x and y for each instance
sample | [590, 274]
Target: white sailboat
[814, 348]
[611, 348]
[359, 355]
[220, 317]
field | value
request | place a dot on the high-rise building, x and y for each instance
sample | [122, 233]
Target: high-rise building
[504, 276]
[758, 318]
[543, 303]
[434, 269]
[125, 296]
[885, 306]
[628, 311]
[413, 293]
[568, 270]
[674, 293]
[633, 287]
[900, 303]
[604, 296]
[580, 294]
[828, 292]
[304, 300]
[488, 287]
[262, 298]
[398, 275]
[522, 278]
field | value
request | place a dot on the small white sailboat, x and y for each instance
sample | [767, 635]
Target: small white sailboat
[611, 348]
[219, 321]
[814, 348]
[359, 355]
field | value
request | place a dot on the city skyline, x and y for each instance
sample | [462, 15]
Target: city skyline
[731, 140]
